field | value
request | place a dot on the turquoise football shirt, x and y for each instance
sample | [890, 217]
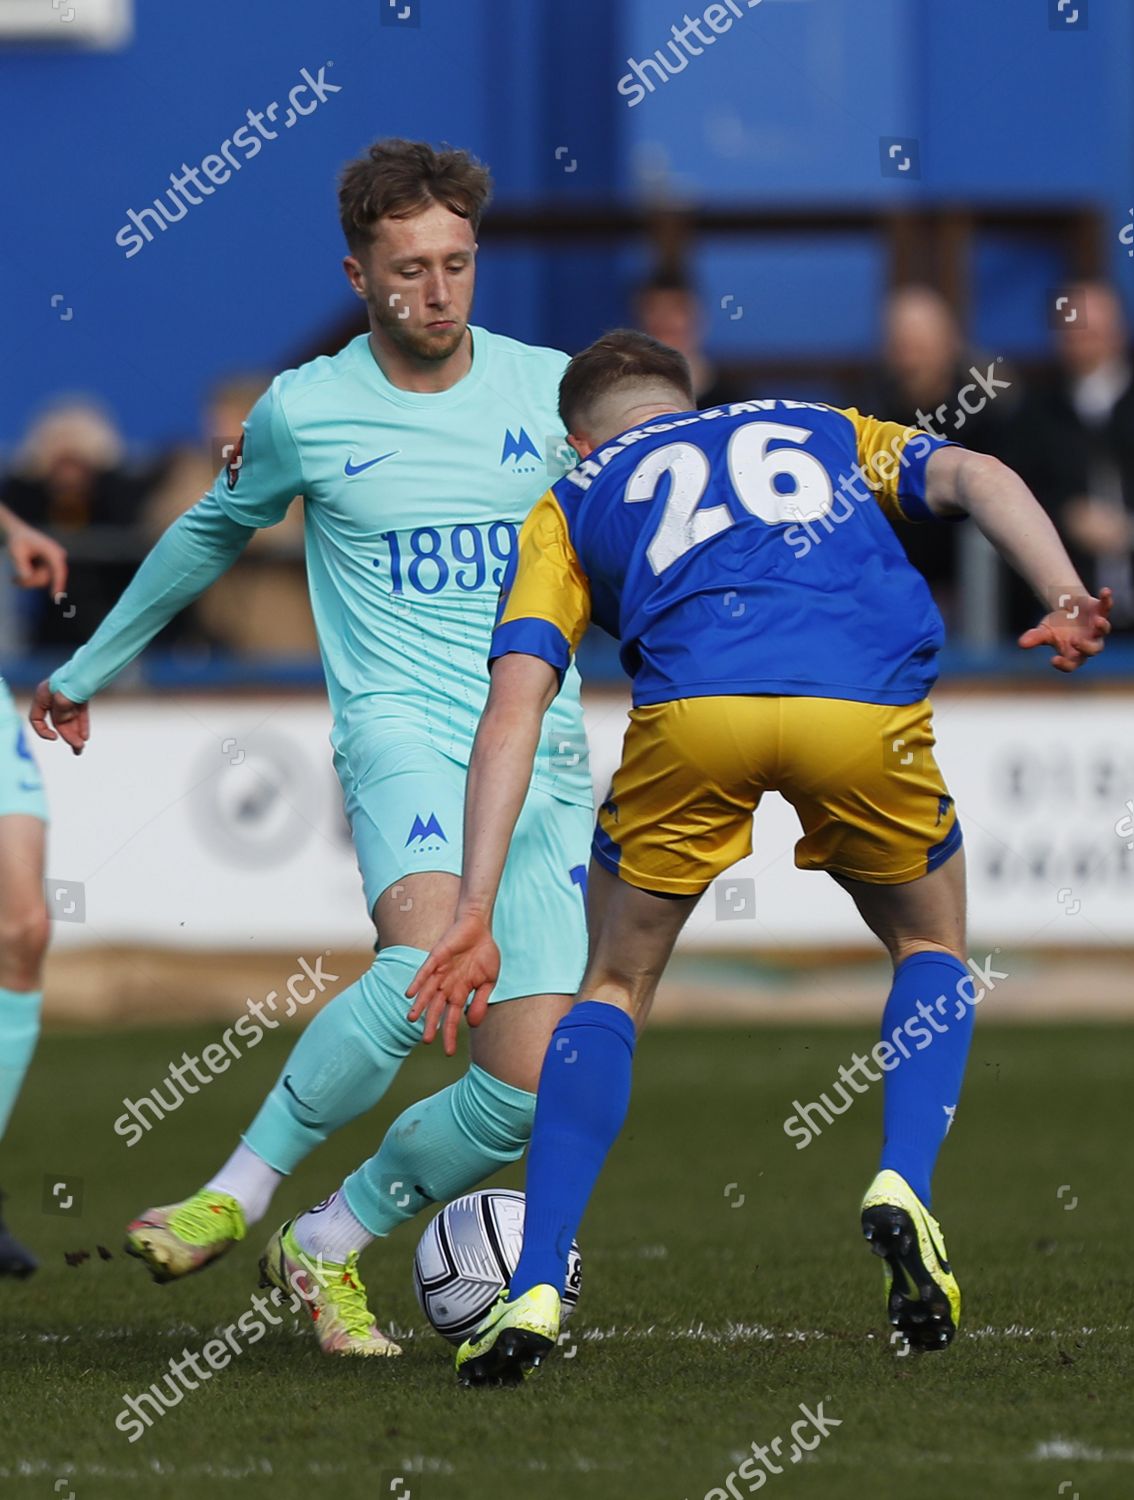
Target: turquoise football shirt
[413, 504]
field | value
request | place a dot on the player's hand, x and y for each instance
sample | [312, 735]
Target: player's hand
[72, 720]
[465, 962]
[1077, 629]
[37, 561]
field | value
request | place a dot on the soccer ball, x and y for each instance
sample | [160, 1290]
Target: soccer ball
[466, 1257]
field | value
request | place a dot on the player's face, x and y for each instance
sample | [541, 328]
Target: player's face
[417, 277]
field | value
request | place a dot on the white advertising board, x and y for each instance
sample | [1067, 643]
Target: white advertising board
[217, 823]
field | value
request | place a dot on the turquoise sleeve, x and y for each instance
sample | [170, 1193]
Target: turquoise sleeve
[191, 554]
[265, 473]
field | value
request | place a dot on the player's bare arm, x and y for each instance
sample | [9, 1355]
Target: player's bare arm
[466, 960]
[960, 482]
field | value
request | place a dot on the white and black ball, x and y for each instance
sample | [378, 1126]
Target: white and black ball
[466, 1257]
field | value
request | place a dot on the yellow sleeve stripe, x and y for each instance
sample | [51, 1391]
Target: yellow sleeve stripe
[893, 460]
[549, 589]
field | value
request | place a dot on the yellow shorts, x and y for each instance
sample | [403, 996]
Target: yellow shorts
[861, 777]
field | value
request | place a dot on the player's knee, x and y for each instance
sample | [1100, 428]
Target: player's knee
[629, 992]
[378, 1002]
[496, 1114]
[24, 933]
[903, 948]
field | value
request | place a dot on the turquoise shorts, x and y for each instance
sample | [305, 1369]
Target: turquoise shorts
[21, 788]
[406, 812]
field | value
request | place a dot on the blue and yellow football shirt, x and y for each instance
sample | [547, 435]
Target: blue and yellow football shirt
[740, 550]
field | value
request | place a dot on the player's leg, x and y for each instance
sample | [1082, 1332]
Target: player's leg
[881, 822]
[584, 1094]
[24, 931]
[23, 942]
[438, 1148]
[926, 1031]
[928, 1020]
[443, 1146]
[405, 812]
[448, 1143]
[679, 813]
[584, 1086]
[341, 1065]
[349, 1054]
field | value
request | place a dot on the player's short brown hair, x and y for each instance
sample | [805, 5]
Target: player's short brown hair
[397, 178]
[620, 356]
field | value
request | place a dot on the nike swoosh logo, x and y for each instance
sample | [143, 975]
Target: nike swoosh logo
[349, 468]
[914, 1292]
[288, 1089]
[941, 1261]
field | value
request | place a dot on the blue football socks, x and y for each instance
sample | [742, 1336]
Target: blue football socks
[584, 1093]
[928, 1021]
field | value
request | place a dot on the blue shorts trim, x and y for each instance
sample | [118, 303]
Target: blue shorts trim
[605, 851]
[938, 854]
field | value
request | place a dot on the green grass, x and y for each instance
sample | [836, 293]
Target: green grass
[668, 1400]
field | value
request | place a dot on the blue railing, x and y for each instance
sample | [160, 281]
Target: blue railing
[168, 671]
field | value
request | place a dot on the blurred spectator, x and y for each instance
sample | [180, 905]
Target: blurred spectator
[1075, 447]
[925, 366]
[667, 308]
[71, 480]
[261, 604]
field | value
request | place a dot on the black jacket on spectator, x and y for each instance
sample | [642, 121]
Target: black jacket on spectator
[1058, 455]
[102, 560]
[935, 550]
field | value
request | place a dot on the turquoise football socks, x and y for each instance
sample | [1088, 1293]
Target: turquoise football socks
[343, 1063]
[19, 1032]
[439, 1148]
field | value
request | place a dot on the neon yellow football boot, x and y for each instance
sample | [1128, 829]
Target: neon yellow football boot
[923, 1299]
[181, 1238]
[512, 1340]
[332, 1293]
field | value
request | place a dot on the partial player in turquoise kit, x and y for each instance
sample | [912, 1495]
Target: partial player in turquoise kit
[778, 640]
[37, 562]
[418, 451]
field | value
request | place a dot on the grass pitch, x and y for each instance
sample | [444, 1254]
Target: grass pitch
[724, 1284]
